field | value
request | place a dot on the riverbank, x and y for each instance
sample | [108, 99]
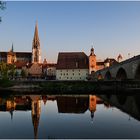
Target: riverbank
[69, 87]
[62, 87]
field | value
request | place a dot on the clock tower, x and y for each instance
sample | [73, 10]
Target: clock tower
[92, 61]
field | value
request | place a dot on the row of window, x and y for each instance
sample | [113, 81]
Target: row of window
[70, 78]
[68, 70]
[72, 74]
[67, 74]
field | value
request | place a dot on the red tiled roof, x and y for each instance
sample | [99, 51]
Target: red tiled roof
[99, 63]
[51, 65]
[18, 54]
[72, 60]
[3, 54]
[29, 65]
[23, 54]
[20, 64]
[110, 60]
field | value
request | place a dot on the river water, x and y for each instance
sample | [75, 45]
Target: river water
[69, 116]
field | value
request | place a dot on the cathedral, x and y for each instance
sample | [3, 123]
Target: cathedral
[70, 65]
[12, 57]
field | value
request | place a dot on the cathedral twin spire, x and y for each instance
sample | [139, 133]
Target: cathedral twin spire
[36, 42]
[36, 52]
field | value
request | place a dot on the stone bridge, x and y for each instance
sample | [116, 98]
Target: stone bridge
[128, 69]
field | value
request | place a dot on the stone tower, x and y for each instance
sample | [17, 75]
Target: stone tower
[36, 52]
[92, 61]
[11, 56]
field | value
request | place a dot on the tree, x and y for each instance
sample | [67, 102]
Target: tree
[2, 7]
[23, 73]
[11, 70]
[4, 70]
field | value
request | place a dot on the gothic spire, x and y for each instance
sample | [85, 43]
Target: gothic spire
[36, 42]
[12, 49]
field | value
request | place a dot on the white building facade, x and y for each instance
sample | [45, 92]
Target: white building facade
[72, 66]
[72, 74]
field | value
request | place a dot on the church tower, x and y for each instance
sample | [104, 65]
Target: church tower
[92, 61]
[36, 52]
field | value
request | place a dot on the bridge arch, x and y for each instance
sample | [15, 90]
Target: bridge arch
[108, 76]
[137, 74]
[100, 76]
[137, 101]
[121, 99]
[121, 74]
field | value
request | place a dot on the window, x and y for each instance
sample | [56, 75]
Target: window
[73, 73]
[64, 73]
[80, 77]
[67, 73]
[79, 73]
[59, 77]
[67, 77]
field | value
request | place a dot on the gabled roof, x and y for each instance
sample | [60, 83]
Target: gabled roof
[111, 61]
[23, 54]
[72, 60]
[3, 54]
[29, 65]
[99, 63]
[18, 54]
[20, 64]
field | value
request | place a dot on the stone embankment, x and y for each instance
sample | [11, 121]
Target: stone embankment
[69, 87]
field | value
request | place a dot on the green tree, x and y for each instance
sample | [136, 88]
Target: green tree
[11, 70]
[16, 73]
[2, 7]
[4, 70]
[23, 73]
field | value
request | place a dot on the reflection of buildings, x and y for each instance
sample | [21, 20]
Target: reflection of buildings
[92, 105]
[72, 104]
[36, 110]
[23, 103]
[129, 104]
[75, 104]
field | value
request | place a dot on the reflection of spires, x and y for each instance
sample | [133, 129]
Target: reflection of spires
[35, 114]
[92, 105]
[44, 98]
[11, 113]
[10, 106]
[92, 116]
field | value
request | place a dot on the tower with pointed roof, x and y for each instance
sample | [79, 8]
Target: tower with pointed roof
[36, 52]
[92, 61]
[11, 56]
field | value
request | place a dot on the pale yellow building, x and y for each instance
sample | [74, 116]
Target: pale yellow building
[72, 66]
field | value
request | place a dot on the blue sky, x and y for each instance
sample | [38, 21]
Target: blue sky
[113, 27]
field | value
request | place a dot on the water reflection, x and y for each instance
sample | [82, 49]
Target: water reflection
[69, 104]
[130, 104]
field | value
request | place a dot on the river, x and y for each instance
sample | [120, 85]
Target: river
[86, 116]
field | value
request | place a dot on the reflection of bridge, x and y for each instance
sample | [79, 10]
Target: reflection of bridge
[128, 69]
[127, 103]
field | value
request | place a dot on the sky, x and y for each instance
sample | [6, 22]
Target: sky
[112, 27]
